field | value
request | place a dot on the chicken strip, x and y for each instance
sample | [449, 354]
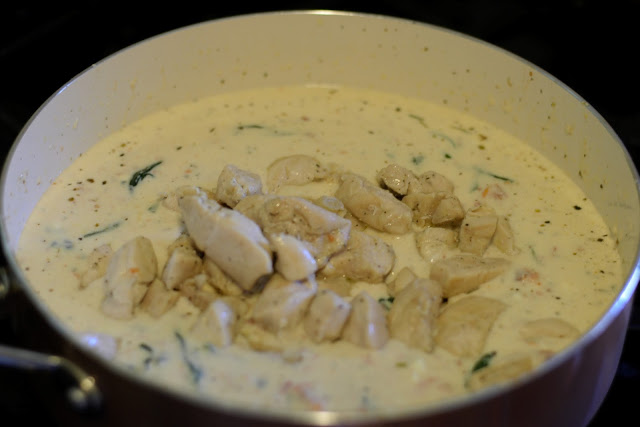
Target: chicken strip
[374, 206]
[131, 269]
[234, 184]
[366, 258]
[464, 273]
[233, 241]
[463, 326]
[367, 324]
[326, 317]
[413, 314]
[297, 169]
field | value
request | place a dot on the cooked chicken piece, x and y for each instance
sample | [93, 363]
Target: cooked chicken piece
[503, 238]
[464, 273]
[324, 231]
[477, 230]
[130, 270]
[198, 291]
[433, 182]
[374, 206]
[463, 325]
[297, 169]
[158, 299]
[260, 340]
[413, 314]
[366, 258]
[437, 208]
[234, 184]
[293, 259]
[403, 278]
[502, 372]
[367, 324]
[282, 304]
[234, 242]
[216, 324]
[547, 329]
[340, 285]
[326, 317]
[182, 264]
[435, 242]
[239, 305]
[220, 280]
[399, 180]
[331, 204]
[170, 200]
[98, 261]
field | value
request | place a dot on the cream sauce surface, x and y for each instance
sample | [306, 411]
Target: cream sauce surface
[567, 266]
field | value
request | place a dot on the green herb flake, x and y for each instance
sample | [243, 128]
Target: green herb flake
[386, 302]
[483, 362]
[137, 177]
[194, 370]
[416, 160]
[419, 119]
[103, 230]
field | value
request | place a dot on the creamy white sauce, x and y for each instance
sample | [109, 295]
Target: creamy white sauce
[562, 239]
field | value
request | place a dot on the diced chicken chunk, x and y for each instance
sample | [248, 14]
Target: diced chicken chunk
[374, 206]
[158, 299]
[282, 304]
[331, 204]
[549, 332]
[402, 278]
[233, 241]
[501, 372]
[220, 280]
[463, 326]
[293, 259]
[234, 184]
[503, 238]
[434, 182]
[413, 314]
[198, 291]
[325, 232]
[366, 258]
[399, 180]
[464, 273]
[182, 264]
[367, 324]
[477, 230]
[131, 268]
[98, 261]
[216, 324]
[297, 169]
[437, 208]
[434, 243]
[326, 317]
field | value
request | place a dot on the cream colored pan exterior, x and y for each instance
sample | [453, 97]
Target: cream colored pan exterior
[368, 51]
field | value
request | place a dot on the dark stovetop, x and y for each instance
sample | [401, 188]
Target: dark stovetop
[589, 45]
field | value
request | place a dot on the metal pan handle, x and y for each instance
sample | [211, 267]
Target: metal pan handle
[77, 386]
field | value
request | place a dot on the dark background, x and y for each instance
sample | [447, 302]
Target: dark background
[592, 46]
